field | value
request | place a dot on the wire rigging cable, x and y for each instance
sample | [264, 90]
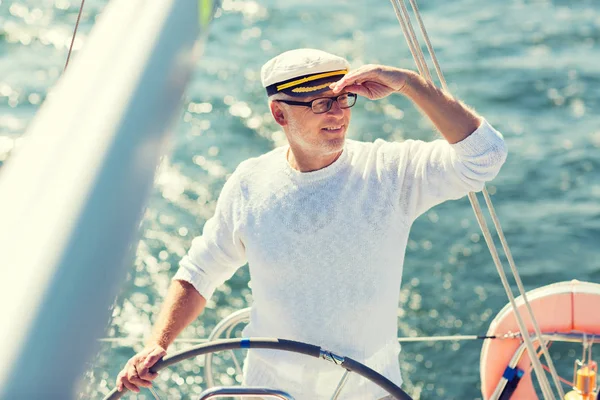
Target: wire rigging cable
[450, 338]
[415, 49]
[74, 33]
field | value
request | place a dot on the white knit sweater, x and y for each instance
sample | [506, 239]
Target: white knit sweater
[326, 250]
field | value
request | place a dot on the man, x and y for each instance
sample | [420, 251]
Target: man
[323, 224]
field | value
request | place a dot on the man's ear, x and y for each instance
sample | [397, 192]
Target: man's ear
[278, 113]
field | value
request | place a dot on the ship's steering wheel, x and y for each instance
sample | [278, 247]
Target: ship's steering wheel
[282, 345]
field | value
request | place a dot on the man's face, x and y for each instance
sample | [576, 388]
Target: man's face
[317, 134]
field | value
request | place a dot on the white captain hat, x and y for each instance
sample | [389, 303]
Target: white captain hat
[302, 72]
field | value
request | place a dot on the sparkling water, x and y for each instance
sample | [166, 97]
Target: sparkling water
[530, 67]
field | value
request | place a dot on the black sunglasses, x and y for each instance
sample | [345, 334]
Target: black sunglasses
[324, 104]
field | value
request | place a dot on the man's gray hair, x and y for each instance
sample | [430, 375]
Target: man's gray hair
[278, 96]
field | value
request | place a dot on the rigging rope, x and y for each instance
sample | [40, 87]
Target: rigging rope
[413, 44]
[74, 33]
[537, 366]
[513, 267]
[424, 71]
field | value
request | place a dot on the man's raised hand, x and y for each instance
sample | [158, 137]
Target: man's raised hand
[373, 81]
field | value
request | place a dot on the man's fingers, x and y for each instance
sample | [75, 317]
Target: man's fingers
[358, 89]
[130, 371]
[131, 386]
[140, 357]
[120, 381]
[144, 368]
[148, 376]
[132, 380]
[342, 83]
[351, 85]
[136, 372]
[353, 78]
[154, 357]
[136, 380]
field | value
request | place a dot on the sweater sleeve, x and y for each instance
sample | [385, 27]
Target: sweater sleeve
[430, 173]
[215, 255]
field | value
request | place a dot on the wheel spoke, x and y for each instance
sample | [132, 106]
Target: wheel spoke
[340, 385]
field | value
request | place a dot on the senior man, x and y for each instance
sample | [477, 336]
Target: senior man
[323, 223]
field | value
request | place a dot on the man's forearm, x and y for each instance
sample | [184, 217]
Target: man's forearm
[183, 304]
[454, 120]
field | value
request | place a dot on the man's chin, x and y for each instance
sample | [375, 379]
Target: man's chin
[336, 144]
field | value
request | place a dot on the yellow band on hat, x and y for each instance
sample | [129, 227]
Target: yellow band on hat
[307, 89]
[311, 78]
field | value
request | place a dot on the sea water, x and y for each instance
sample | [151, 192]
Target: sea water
[530, 67]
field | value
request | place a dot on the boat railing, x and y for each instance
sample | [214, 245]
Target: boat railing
[226, 329]
[244, 392]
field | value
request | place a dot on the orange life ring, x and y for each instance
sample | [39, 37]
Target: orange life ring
[563, 307]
